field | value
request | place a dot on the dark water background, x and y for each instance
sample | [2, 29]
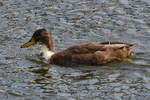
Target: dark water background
[24, 76]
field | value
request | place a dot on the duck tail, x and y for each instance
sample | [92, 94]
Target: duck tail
[133, 45]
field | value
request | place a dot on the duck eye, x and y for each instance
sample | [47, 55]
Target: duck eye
[41, 54]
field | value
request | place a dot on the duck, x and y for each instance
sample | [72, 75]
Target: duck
[82, 54]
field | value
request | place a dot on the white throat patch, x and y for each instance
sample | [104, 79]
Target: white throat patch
[46, 52]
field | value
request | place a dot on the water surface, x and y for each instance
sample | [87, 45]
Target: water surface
[25, 76]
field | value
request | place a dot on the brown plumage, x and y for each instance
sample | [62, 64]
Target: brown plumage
[88, 54]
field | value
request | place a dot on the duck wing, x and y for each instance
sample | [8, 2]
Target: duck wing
[86, 48]
[118, 45]
[93, 47]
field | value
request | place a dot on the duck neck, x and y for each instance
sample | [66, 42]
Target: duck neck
[50, 44]
[47, 52]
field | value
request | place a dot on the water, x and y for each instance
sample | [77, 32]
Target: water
[25, 76]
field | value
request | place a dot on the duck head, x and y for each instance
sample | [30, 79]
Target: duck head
[41, 36]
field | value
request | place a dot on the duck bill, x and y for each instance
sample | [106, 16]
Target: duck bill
[31, 42]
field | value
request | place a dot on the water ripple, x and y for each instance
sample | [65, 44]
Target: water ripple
[24, 74]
